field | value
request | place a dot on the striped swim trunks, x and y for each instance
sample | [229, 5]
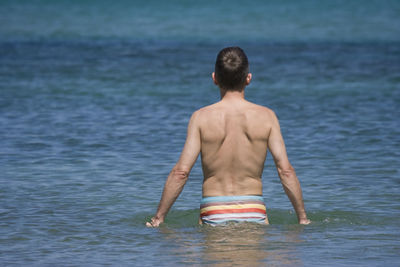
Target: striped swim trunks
[222, 209]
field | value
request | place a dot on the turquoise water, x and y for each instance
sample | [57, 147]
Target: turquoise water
[94, 102]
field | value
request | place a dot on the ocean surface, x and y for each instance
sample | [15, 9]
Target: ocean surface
[95, 97]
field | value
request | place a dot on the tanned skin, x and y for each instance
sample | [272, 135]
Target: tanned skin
[233, 137]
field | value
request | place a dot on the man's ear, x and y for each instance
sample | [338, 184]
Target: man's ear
[248, 79]
[214, 79]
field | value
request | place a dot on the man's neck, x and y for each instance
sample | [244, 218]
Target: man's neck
[231, 95]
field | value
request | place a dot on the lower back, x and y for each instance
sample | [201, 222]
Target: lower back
[231, 186]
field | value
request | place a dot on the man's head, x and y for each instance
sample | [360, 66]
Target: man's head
[232, 69]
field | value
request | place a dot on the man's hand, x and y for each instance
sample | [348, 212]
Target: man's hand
[154, 222]
[304, 221]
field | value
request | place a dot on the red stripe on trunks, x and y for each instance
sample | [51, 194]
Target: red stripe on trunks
[233, 211]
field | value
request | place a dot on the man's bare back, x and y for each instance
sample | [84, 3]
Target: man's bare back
[233, 137]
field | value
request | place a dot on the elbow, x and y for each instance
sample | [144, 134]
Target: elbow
[180, 175]
[286, 172]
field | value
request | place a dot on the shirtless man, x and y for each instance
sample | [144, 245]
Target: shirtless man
[233, 136]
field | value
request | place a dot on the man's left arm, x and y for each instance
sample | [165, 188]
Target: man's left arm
[180, 172]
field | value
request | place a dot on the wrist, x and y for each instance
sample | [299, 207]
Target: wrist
[159, 217]
[302, 215]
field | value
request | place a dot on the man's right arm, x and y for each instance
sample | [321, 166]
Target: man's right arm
[286, 172]
[178, 176]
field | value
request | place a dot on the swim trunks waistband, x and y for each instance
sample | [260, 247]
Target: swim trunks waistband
[222, 209]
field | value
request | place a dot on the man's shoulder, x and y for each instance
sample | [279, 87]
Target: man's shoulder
[205, 115]
[204, 111]
[261, 109]
[200, 113]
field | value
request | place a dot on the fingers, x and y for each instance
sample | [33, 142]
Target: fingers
[153, 223]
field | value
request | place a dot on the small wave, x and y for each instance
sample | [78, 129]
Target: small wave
[189, 218]
[34, 146]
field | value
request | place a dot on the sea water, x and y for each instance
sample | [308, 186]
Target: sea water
[95, 97]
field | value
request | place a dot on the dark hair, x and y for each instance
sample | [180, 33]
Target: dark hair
[231, 69]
